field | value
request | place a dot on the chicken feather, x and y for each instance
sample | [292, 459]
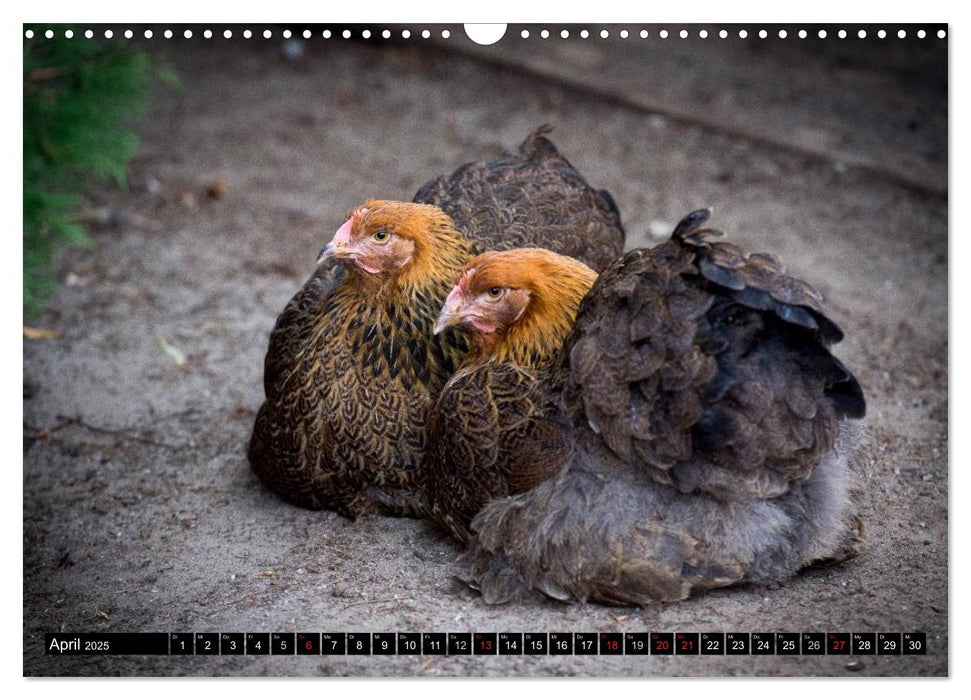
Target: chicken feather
[696, 436]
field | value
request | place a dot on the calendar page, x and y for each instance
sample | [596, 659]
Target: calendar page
[527, 349]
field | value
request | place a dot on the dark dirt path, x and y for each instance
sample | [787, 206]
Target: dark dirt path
[140, 512]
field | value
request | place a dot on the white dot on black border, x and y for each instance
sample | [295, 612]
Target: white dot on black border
[524, 33]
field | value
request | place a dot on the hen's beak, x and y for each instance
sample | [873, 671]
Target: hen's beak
[444, 320]
[328, 252]
[451, 312]
[340, 246]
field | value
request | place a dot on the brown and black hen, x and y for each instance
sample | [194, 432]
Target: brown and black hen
[352, 364]
[688, 431]
[530, 197]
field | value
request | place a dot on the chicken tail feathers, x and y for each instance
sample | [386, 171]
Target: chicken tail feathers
[707, 366]
[530, 197]
[536, 145]
[755, 280]
[847, 394]
[608, 199]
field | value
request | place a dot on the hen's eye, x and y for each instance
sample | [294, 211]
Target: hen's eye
[381, 235]
[495, 292]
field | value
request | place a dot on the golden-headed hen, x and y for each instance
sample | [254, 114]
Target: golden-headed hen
[689, 429]
[352, 364]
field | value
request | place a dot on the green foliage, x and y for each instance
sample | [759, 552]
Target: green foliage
[80, 101]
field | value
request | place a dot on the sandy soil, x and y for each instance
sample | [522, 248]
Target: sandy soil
[140, 511]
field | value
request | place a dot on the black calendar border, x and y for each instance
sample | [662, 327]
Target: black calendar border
[649, 643]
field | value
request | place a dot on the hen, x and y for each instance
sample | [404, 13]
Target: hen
[531, 197]
[352, 365]
[689, 430]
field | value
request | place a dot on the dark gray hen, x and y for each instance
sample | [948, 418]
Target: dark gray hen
[530, 197]
[709, 437]
[352, 364]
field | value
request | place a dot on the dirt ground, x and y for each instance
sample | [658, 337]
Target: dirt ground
[140, 511]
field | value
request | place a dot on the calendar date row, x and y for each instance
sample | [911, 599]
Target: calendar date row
[489, 643]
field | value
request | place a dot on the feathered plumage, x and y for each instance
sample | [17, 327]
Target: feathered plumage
[352, 364]
[530, 197]
[690, 432]
[492, 432]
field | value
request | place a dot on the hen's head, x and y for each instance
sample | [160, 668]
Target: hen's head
[517, 305]
[386, 239]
